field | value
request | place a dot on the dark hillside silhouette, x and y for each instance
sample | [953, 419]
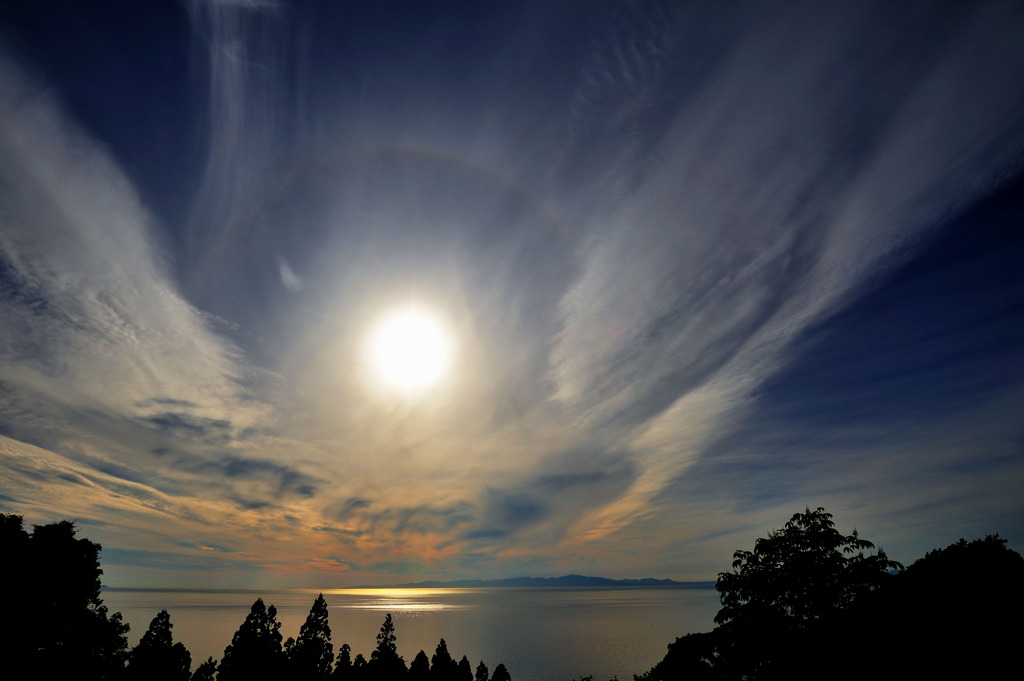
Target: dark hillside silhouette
[955, 613]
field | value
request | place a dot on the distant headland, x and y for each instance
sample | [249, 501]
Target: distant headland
[563, 581]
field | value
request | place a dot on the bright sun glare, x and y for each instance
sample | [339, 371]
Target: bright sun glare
[410, 350]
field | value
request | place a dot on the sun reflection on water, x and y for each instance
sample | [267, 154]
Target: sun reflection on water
[399, 600]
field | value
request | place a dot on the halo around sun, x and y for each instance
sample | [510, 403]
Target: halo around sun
[410, 350]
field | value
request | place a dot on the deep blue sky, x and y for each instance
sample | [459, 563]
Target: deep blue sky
[699, 267]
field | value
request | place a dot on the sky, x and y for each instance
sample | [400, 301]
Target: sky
[688, 268]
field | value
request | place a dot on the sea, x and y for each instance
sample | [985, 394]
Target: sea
[539, 634]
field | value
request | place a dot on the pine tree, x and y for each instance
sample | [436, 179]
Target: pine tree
[501, 674]
[419, 670]
[481, 672]
[464, 671]
[158, 657]
[385, 662]
[442, 666]
[255, 652]
[360, 668]
[205, 671]
[343, 667]
[311, 655]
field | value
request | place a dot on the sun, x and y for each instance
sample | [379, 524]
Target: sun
[410, 350]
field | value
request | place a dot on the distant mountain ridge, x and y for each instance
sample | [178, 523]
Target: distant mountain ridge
[563, 581]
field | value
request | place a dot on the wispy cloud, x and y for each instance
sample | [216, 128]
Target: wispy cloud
[700, 278]
[93, 320]
[643, 226]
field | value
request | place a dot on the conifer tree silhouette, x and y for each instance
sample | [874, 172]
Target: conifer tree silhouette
[442, 666]
[206, 671]
[255, 652]
[501, 674]
[385, 663]
[360, 668]
[343, 665]
[158, 657]
[419, 670]
[464, 671]
[311, 655]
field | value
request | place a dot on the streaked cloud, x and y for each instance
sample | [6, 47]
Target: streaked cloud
[704, 268]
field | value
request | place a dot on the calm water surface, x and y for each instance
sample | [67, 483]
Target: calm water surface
[546, 634]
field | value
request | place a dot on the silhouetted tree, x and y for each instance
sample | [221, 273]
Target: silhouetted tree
[343, 665]
[464, 671]
[501, 674]
[385, 662]
[62, 628]
[799, 574]
[419, 670]
[442, 666]
[158, 657]
[360, 668]
[804, 574]
[781, 606]
[205, 671]
[311, 655]
[18, 635]
[481, 672]
[255, 651]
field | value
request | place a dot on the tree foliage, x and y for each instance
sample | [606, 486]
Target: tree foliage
[693, 657]
[311, 655]
[464, 672]
[255, 651]
[385, 662]
[419, 670]
[359, 668]
[442, 666]
[343, 665]
[206, 671]
[799, 574]
[962, 601]
[158, 657]
[778, 602]
[62, 626]
[501, 674]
